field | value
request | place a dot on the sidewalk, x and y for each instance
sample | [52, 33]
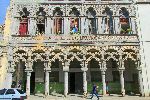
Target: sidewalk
[80, 97]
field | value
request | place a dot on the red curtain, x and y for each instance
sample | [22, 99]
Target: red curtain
[23, 28]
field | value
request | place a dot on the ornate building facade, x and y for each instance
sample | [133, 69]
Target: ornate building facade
[73, 42]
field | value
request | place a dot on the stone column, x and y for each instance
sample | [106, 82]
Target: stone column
[84, 82]
[48, 27]
[103, 81]
[15, 26]
[122, 82]
[66, 70]
[65, 83]
[140, 82]
[9, 75]
[28, 69]
[133, 25]
[47, 70]
[32, 27]
[46, 83]
[100, 30]
[84, 69]
[66, 25]
[82, 25]
[117, 26]
[28, 83]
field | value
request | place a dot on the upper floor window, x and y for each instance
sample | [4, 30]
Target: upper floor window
[108, 20]
[124, 20]
[91, 15]
[74, 21]
[23, 27]
[58, 21]
[41, 20]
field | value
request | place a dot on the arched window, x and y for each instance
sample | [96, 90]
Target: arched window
[108, 20]
[41, 20]
[58, 21]
[91, 15]
[74, 21]
[23, 27]
[124, 20]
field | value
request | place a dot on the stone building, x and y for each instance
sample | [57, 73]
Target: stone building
[74, 43]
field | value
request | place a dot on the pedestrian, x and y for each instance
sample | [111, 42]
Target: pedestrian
[107, 88]
[94, 91]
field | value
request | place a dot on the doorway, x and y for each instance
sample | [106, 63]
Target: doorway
[32, 82]
[76, 82]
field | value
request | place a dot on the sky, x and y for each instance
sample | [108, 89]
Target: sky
[3, 7]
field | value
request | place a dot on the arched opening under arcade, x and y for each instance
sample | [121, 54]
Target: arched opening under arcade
[112, 77]
[37, 78]
[75, 78]
[56, 78]
[19, 75]
[131, 77]
[94, 75]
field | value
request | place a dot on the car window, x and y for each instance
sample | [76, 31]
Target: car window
[2, 91]
[10, 91]
[20, 91]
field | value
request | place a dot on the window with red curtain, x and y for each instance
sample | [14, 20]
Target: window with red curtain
[23, 28]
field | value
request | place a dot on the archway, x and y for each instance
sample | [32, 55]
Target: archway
[94, 75]
[112, 76]
[75, 77]
[19, 76]
[131, 77]
[37, 77]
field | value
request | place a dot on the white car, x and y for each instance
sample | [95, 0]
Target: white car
[12, 94]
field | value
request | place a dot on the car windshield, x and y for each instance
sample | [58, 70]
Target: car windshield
[20, 91]
[2, 91]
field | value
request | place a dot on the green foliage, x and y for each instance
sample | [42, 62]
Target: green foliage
[56, 87]
[39, 88]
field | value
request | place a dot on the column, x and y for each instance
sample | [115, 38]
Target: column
[140, 82]
[9, 75]
[15, 26]
[86, 26]
[32, 27]
[28, 83]
[117, 26]
[103, 81]
[133, 25]
[84, 82]
[65, 83]
[82, 25]
[46, 83]
[48, 27]
[66, 25]
[122, 82]
[100, 30]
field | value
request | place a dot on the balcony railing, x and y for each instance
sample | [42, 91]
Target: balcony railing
[81, 39]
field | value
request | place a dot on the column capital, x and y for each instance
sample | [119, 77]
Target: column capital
[66, 69]
[47, 69]
[103, 71]
[121, 71]
[29, 70]
[84, 69]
